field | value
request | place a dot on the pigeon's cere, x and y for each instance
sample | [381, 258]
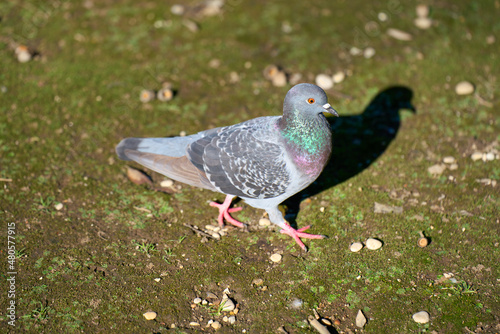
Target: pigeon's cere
[263, 161]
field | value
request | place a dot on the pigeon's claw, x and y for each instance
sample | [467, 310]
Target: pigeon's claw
[224, 211]
[297, 234]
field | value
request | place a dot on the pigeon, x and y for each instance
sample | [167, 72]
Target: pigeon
[263, 161]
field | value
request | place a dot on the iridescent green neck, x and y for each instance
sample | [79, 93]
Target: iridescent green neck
[309, 133]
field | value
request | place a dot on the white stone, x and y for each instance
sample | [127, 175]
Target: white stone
[423, 23]
[436, 169]
[166, 183]
[232, 319]
[147, 96]
[227, 304]
[279, 80]
[464, 88]
[476, 156]
[422, 10]
[276, 257]
[216, 325]
[165, 94]
[373, 244]
[24, 57]
[324, 81]
[399, 34]
[264, 222]
[177, 9]
[356, 247]
[58, 206]
[490, 156]
[369, 52]
[338, 77]
[197, 300]
[421, 317]
[360, 319]
[448, 160]
[150, 315]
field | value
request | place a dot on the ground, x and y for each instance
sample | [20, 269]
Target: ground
[86, 250]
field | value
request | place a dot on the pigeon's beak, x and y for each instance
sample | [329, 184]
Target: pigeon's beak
[328, 108]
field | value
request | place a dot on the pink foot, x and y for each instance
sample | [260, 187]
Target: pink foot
[224, 211]
[299, 233]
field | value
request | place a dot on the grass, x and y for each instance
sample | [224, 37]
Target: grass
[95, 264]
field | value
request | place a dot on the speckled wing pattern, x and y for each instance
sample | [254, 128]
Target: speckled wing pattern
[243, 160]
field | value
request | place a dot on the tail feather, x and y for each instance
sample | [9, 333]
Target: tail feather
[176, 168]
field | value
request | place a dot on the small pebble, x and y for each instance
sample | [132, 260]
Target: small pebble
[437, 169]
[295, 78]
[157, 279]
[149, 315]
[264, 222]
[197, 300]
[214, 63]
[165, 94]
[423, 23]
[194, 323]
[373, 244]
[177, 9]
[297, 303]
[58, 206]
[422, 10]
[216, 235]
[228, 304]
[356, 247]
[326, 321]
[22, 53]
[258, 281]
[324, 81]
[276, 257]
[216, 325]
[453, 167]
[360, 319]
[488, 156]
[232, 319]
[354, 51]
[464, 88]
[279, 80]
[399, 34]
[382, 16]
[369, 52]
[166, 183]
[270, 71]
[421, 317]
[476, 156]
[448, 160]
[225, 319]
[336, 322]
[147, 96]
[338, 77]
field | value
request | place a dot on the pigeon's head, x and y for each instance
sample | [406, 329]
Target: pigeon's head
[307, 98]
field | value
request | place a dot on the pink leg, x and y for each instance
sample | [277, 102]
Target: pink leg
[224, 211]
[299, 233]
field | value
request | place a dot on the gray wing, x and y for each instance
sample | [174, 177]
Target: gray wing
[243, 160]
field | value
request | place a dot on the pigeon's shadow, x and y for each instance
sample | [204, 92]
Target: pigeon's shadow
[358, 141]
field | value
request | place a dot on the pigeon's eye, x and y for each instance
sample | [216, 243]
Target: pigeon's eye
[310, 100]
